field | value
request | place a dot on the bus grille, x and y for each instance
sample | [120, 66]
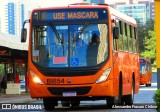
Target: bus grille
[78, 90]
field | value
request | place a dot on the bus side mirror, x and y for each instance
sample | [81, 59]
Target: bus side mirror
[24, 31]
[23, 34]
[116, 32]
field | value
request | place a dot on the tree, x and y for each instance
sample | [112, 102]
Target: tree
[143, 31]
[141, 34]
[150, 45]
[2, 69]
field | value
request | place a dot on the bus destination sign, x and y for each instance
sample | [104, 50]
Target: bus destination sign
[142, 61]
[75, 15]
[57, 15]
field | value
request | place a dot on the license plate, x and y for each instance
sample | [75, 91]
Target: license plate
[68, 94]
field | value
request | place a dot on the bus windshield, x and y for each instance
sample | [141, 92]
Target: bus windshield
[69, 45]
[143, 68]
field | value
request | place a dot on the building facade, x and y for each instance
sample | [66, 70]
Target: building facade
[95, 1]
[142, 10]
[14, 12]
[152, 10]
[12, 16]
[137, 11]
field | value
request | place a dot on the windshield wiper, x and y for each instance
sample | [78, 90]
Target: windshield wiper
[57, 34]
[58, 37]
[80, 32]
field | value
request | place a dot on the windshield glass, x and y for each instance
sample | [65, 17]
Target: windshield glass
[73, 45]
[143, 68]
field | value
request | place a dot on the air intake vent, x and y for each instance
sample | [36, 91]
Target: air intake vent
[78, 90]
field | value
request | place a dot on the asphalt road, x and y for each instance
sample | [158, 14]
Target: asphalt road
[143, 102]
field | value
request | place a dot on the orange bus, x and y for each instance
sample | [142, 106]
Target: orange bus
[145, 72]
[82, 52]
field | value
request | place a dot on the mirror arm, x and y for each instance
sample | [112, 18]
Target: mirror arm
[26, 21]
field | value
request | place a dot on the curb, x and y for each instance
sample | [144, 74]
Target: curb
[16, 98]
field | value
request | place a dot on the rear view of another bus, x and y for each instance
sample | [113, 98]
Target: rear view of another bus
[145, 71]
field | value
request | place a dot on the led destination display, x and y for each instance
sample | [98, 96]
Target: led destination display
[74, 14]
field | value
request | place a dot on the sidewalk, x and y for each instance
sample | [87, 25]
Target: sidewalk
[16, 98]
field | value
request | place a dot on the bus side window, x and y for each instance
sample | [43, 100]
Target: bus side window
[125, 39]
[126, 30]
[136, 38]
[120, 39]
[135, 43]
[130, 43]
[115, 47]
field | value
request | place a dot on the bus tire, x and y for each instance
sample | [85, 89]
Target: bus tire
[128, 99]
[49, 103]
[147, 85]
[65, 103]
[75, 103]
[111, 101]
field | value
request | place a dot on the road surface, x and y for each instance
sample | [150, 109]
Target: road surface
[143, 101]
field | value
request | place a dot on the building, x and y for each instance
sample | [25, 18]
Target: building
[142, 10]
[152, 10]
[137, 11]
[95, 1]
[12, 16]
[0, 24]
[14, 12]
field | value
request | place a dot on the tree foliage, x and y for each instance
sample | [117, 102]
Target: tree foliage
[147, 39]
[150, 46]
[1, 69]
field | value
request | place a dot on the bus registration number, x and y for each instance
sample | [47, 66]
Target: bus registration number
[55, 81]
[68, 94]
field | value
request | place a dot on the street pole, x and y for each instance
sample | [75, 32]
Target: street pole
[157, 22]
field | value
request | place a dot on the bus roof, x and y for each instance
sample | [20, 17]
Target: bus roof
[122, 16]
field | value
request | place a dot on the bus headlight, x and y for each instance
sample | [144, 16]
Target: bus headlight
[104, 76]
[35, 78]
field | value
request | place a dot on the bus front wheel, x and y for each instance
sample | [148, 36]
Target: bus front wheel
[49, 103]
[111, 101]
[65, 103]
[75, 103]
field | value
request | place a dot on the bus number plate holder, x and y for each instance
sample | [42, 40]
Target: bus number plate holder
[69, 94]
